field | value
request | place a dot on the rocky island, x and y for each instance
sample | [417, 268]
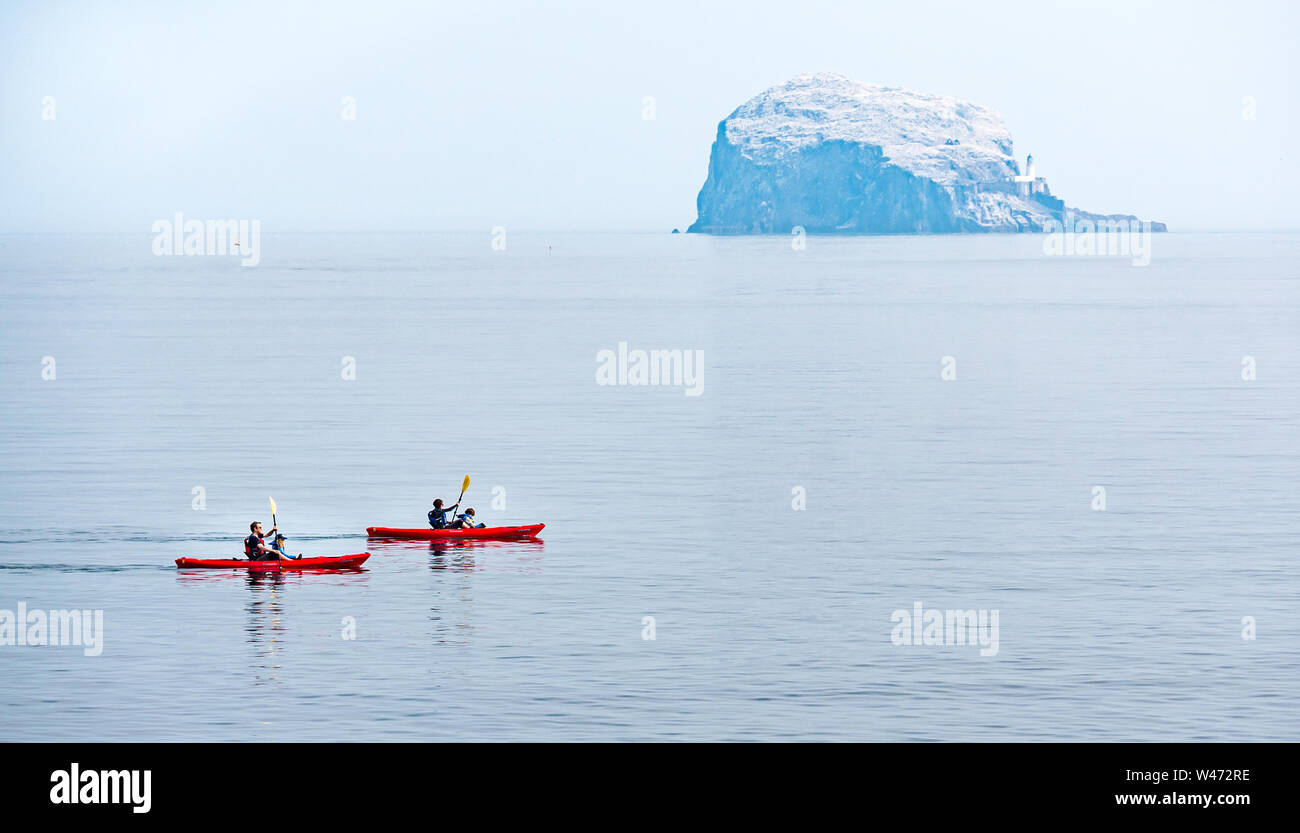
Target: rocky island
[838, 156]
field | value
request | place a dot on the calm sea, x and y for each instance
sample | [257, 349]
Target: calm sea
[1097, 471]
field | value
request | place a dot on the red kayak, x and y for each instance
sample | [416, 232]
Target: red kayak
[495, 532]
[328, 562]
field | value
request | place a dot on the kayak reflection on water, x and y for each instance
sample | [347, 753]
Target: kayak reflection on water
[265, 629]
[444, 558]
[460, 556]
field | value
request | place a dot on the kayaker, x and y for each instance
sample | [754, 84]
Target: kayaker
[255, 547]
[466, 521]
[438, 516]
[278, 546]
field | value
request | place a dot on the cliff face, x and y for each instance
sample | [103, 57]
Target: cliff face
[838, 156]
[835, 186]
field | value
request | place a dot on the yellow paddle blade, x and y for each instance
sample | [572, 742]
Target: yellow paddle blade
[464, 487]
[272, 504]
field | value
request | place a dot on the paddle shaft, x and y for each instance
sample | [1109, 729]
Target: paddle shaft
[463, 490]
[279, 559]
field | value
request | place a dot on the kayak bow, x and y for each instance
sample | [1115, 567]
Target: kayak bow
[328, 562]
[497, 532]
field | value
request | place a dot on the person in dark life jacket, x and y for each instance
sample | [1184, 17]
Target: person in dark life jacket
[438, 515]
[255, 547]
[466, 521]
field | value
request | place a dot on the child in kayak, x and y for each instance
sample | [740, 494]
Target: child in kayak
[438, 516]
[278, 546]
[466, 521]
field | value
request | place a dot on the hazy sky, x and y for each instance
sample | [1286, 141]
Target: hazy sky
[529, 115]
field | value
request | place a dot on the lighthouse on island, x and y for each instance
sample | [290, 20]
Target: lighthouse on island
[1030, 183]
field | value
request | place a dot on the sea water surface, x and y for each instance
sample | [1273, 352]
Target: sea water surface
[186, 390]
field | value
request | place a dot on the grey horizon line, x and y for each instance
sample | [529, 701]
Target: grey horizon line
[630, 230]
